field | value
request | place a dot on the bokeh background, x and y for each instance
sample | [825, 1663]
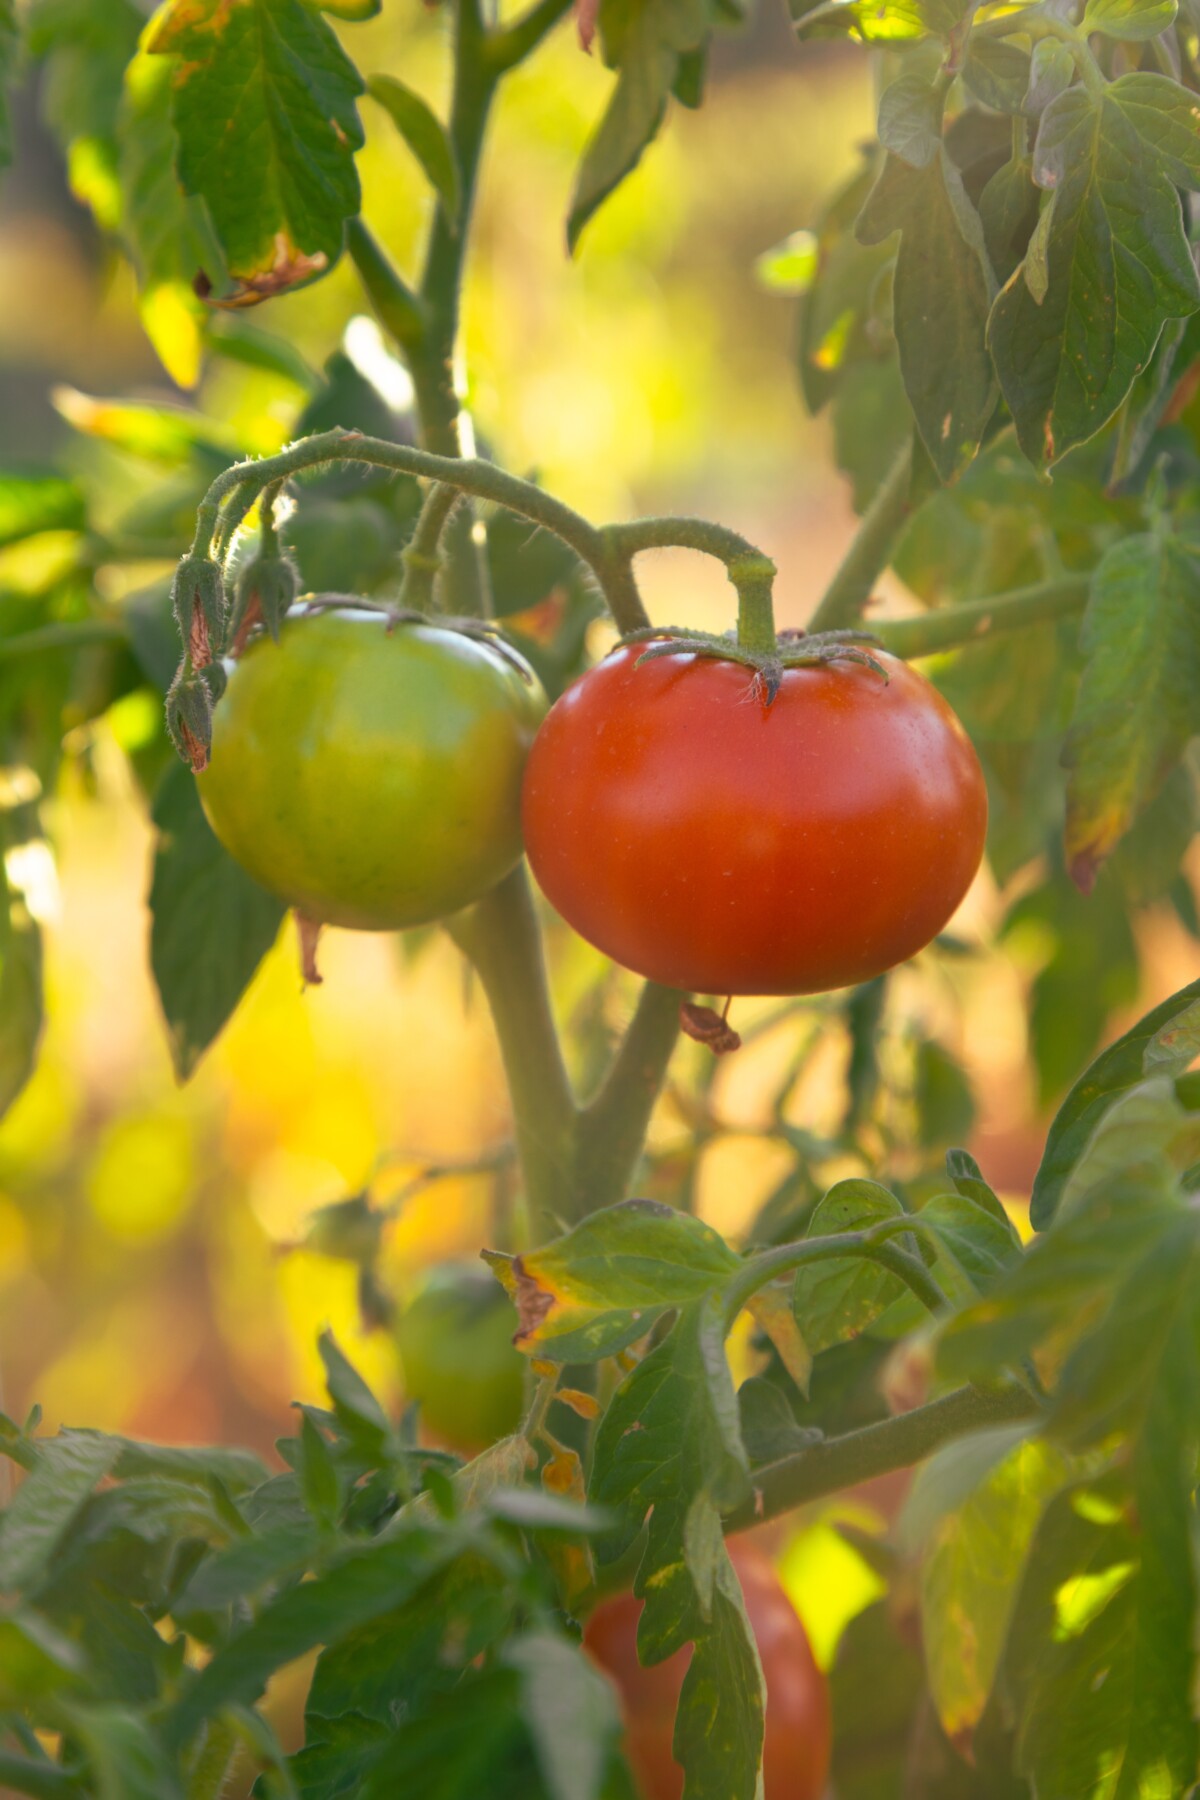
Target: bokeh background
[150, 1281]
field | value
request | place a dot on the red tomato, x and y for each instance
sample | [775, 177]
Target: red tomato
[798, 1726]
[723, 846]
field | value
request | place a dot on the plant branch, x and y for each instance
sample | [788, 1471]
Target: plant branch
[467, 475]
[847, 594]
[951, 626]
[507, 47]
[837, 1463]
[42, 1780]
[499, 935]
[397, 308]
[421, 556]
[612, 1127]
[873, 1243]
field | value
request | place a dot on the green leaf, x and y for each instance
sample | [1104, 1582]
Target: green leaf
[425, 136]
[1008, 212]
[471, 1741]
[942, 1094]
[169, 236]
[570, 1711]
[719, 1724]
[997, 73]
[211, 925]
[982, 1245]
[669, 1435]
[1147, 1128]
[1051, 72]
[264, 109]
[768, 1425]
[942, 294]
[1136, 709]
[42, 501]
[840, 1298]
[646, 41]
[973, 1562]
[20, 991]
[789, 267]
[1165, 1042]
[318, 1475]
[1061, 1276]
[1133, 21]
[126, 1760]
[967, 1177]
[36, 1659]
[910, 120]
[47, 1504]
[1117, 259]
[589, 1294]
[174, 436]
[880, 21]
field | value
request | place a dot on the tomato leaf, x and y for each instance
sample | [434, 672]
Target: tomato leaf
[942, 295]
[1165, 1042]
[973, 1557]
[570, 1710]
[1133, 21]
[719, 1724]
[1116, 261]
[981, 1244]
[589, 1294]
[48, 1503]
[647, 42]
[838, 1299]
[1137, 702]
[211, 925]
[880, 21]
[425, 136]
[126, 1758]
[267, 123]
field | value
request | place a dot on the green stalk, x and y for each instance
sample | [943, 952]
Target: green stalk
[612, 1127]
[959, 625]
[846, 596]
[501, 938]
[834, 1464]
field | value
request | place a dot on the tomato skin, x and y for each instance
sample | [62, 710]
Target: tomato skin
[371, 778]
[797, 1740]
[722, 846]
[455, 1341]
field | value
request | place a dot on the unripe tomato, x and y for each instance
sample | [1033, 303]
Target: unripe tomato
[456, 1346]
[796, 1744]
[723, 846]
[370, 777]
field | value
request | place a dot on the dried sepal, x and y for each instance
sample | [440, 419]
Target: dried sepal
[198, 600]
[189, 708]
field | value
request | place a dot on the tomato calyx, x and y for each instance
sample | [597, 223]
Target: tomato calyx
[794, 649]
[480, 631]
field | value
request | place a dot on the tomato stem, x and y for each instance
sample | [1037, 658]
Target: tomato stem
[753, 577]
[422, 558]
[846, 597]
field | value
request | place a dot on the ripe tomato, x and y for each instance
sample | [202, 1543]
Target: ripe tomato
[372, 778]
[796, 1745]
[456, 1346]
[723, 846]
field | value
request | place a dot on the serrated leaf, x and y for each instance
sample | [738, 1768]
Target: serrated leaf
[1137, 704]
[570, 1711]
[997, 73]
[880, 21]
[211, 925]
[1146, 1128]
[941, 298]
[589, 1294]
[1133, 21]
[670, 1434]
[719, 1724]
[972, 1567]
[967, 1177]
[168, 235]
[1118, 264]
[1060, 1277]
[646, 42]
[910, 120]
[1165, 1042]
[1051, 72]
[425, 136]
[840, 1298]
[358, 1412]
[980, 1243]
[264, 85]
[125, 1758]
[318, 1475]
[48, 1502]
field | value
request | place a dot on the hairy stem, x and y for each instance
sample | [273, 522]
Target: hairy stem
[873, 1243]
[422, 560]
[837, 1463]
[847, 594]
[500, 937]
[511, 45]
[397, 308]
[955, 625]
[612, 1127]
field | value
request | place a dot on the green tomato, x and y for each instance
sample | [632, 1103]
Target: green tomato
[460, 1367]
[372, 778]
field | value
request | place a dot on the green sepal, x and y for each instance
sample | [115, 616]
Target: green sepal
[189, 714]
[265, 589]
[199, 604]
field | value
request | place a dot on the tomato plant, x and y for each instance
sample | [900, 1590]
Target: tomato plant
[796, 1734]
[460, 1367]
[370, 774]
[333, 704]
[805, 843]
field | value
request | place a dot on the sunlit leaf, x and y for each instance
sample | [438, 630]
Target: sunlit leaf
[840, 1298]
[425, 136]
